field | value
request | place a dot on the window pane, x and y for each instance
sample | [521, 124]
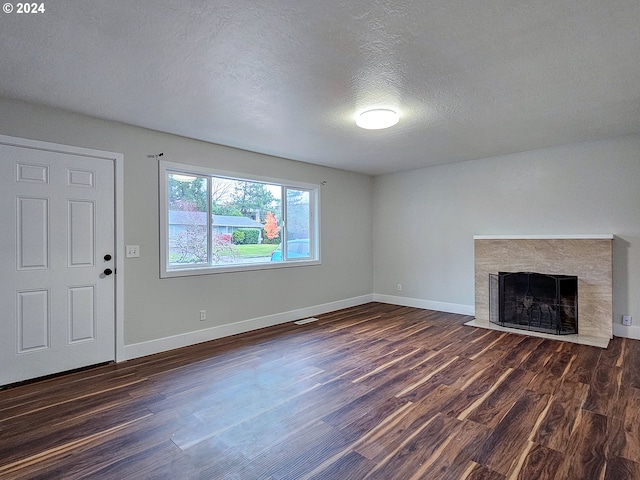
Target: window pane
[187, 219]
[298, 224]
[245, 221]
[215, 223]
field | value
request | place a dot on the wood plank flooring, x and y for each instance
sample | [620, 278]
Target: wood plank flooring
[371, 392]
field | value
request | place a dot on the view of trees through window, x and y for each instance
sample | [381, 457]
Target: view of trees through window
[222, 221]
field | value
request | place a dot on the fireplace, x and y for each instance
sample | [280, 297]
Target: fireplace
[534, 301]
[589, 257]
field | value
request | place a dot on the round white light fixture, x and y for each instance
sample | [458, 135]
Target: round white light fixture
[377, 118]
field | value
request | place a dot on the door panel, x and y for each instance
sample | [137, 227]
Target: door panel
[33, 321]
[80, 248]
[57, 225]
[33, 233]
[82, 313]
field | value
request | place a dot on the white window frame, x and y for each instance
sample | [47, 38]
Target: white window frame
[168, 271]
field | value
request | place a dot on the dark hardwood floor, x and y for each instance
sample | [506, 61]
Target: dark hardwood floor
[376, 391]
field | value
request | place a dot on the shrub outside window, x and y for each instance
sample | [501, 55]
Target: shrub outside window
[214, 222]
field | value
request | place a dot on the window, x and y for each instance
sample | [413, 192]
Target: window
[213, 222]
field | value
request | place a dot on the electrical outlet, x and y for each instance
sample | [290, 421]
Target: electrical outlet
[399, 287]
[133, 251]
[626, 320]
[203, 315]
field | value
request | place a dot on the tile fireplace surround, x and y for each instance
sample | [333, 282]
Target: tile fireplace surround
[590, 257]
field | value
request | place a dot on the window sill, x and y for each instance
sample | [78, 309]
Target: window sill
[208, 270]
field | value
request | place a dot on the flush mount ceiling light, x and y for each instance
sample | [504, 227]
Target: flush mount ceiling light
[377, 118]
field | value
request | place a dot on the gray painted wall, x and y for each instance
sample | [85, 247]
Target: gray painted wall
[425, 220]
[156, 308]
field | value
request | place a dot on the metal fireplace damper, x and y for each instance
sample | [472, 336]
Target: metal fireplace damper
[534, 301]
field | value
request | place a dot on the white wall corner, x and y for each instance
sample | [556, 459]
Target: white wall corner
[198, 336]
[620, 330]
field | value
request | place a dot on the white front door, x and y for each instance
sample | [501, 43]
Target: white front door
[56, 262]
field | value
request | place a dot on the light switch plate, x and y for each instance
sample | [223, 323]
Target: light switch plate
[133, 251]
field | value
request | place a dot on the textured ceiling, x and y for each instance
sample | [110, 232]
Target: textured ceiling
[287, 77]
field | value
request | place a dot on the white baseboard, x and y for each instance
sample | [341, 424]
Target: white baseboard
[427, 304]
[150, 347]
[620, 330]
[191, 338]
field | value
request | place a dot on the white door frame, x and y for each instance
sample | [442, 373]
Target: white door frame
[118, 160]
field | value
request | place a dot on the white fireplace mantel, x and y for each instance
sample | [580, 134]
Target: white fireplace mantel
[605, 236]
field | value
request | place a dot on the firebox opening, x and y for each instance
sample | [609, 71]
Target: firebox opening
[534, 301]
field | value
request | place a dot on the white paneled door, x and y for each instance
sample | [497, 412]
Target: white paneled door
[57, 263]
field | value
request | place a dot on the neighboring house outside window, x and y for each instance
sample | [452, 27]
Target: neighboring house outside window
[179, 221]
